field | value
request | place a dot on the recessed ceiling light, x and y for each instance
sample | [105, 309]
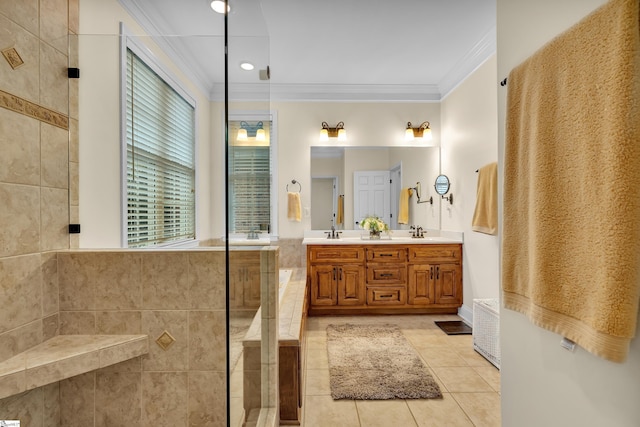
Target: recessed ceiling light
[218, 6]
[247, 66]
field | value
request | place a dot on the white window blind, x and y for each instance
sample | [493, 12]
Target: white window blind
[160, 159]
[249, 189]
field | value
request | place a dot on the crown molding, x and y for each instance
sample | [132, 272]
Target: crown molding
[328, 93]
[469, 63]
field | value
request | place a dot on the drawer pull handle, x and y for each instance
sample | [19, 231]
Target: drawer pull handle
[431, 273]
[334, 273]
[386, 254]
[386, 275]
[438, 273]
[386, 296]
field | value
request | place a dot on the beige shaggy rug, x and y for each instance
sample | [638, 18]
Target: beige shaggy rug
[376, 363]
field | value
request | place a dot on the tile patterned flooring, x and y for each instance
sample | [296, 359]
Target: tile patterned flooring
[470, 385]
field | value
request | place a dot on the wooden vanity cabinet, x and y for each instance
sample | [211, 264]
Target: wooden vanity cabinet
[336, 276]
[384, 278]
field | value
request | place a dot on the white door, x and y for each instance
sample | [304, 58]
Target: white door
[323, 210]
[371, 191]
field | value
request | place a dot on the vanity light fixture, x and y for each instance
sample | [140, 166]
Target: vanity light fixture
[339, 131]
[248, 130]
[423, 131]
[218, 6]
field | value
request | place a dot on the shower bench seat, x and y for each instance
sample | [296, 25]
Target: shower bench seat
[65, 356]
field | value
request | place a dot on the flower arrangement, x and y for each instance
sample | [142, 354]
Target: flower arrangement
[373, 223]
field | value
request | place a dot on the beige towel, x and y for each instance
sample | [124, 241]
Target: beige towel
[485, 216]
[571, 223]
[403, 210]
[340, 214]
[294, 210]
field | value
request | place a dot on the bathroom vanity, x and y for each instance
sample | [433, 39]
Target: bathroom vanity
[398, 275]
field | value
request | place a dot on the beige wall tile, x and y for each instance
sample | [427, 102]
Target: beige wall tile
[131, 365]
[119, 322]
[26, 407]
[51, 398]
[54, 80]
[74, 16]
[54, 156]
[207, 399]
[270, 260]
[207, 338]
[49, 283]
[164, 399]
[74, 183]
[207, 280]
[77, 322]
[118, 283]
[75, 280]
[20, 339]
[74, 91]
[74, 141]
[292, 253]
[54, 23]
[20, 291]
[24, 13]
[164, 280]
[50, 326]
[77, 400]
[54, 205]
[175, 358]
[19, 219]
[117, 399]
[24, 81]
[20, 147]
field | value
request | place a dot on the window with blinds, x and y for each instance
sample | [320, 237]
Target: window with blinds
[160, 137]
[249, 189]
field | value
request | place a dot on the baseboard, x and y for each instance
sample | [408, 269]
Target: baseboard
[466, 314]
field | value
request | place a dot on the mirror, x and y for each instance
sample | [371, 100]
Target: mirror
[332, 183]
[442, 185]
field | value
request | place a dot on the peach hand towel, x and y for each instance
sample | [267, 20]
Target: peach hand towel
[571, 208]
[485, 216]
[294, 210]
[403, 209]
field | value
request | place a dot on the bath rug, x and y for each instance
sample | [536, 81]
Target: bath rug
[369, 362]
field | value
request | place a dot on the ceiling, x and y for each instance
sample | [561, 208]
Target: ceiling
[404, 50]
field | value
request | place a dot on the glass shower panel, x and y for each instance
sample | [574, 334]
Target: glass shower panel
[251, 173]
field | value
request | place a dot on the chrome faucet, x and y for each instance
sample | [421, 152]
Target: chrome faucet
[253, 235]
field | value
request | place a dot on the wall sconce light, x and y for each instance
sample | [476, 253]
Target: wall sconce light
[338, 131]
[423, 131]
[254, 131]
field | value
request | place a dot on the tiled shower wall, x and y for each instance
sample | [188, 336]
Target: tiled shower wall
[36, 163]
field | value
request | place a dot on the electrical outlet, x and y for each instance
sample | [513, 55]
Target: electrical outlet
[567, 344]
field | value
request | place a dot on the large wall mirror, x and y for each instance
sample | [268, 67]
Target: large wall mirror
[338, 175]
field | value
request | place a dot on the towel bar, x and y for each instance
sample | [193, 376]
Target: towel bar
[293, 181]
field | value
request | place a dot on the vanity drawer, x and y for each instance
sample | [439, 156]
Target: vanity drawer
[386, 274]
[386, 254]
[387, 295]
[336, 253]
[433, 253]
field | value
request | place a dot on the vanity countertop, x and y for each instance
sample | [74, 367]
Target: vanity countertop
[400, 237]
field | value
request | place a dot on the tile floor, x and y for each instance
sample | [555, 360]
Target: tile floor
[470, 385]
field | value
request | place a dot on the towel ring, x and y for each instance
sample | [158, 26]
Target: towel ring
[293, 181]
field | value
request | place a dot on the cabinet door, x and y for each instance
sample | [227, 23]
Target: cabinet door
[421, 284]
[448, 288]
[351, 285]
[324, 285]
[251, 287]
